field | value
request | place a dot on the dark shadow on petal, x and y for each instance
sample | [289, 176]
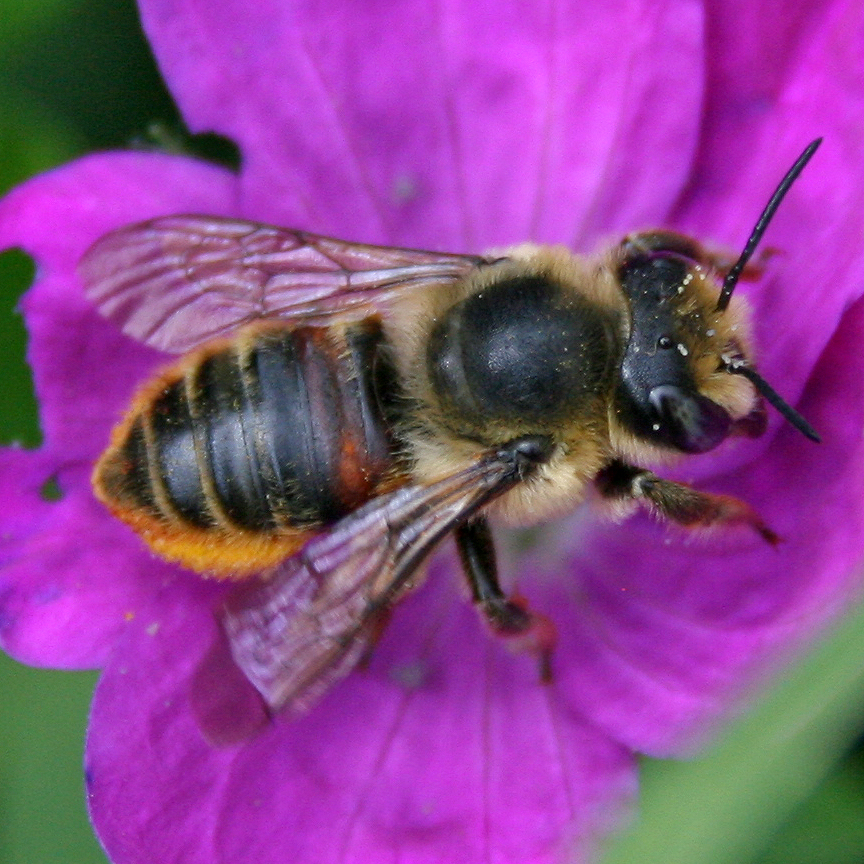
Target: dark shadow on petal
[226, 706]
[175, 139]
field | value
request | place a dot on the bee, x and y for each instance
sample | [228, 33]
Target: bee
[340, 408]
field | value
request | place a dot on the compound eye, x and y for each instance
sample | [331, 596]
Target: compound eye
[665, 343]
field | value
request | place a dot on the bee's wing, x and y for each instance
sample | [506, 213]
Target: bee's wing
[308, 625]
[176, 281]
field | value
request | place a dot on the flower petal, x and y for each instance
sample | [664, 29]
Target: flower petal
[72, 576]
[454, 125]
[660, 635]
[432, 753]
[403, 124]
[55, 218]
[665, 634]
[63, 601]
[763, 107]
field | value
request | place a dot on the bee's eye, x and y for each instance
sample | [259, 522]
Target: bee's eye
[665, 342]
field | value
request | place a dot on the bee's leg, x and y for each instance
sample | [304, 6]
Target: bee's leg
[373, 630]
[506, 616]
[678, 502]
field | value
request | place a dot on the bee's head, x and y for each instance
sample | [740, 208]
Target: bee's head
[683, 372]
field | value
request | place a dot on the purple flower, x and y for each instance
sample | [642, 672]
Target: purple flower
[438, 126]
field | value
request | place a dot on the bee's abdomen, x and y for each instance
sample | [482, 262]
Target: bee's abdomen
[263, 438]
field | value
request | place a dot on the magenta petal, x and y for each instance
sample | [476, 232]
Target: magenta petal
[665, 634]
[62, 600]
[440, 125]
[764, 106]
[660, 635]
[444, 749]
[57, 215]
[455, 126]
[766, 83]
[55, 218]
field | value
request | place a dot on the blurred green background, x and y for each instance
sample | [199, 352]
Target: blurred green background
[785, 784]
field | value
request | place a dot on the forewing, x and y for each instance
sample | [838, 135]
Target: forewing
[310, 623]
[177, 281]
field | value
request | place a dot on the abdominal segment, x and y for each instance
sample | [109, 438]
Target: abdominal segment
[229, 459]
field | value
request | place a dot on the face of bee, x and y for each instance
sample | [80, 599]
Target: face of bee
[673, 390]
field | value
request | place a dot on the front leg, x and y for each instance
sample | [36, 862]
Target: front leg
[678, 502]
[506, 616]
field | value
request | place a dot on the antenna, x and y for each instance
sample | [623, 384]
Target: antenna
[731, 279]
[772, 397]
